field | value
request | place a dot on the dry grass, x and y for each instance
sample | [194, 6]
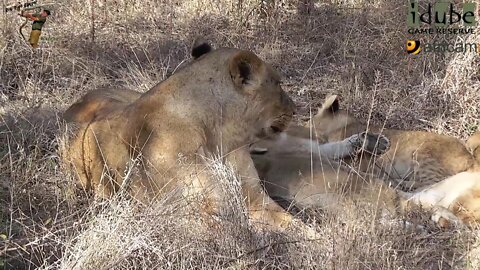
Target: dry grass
[351, 48]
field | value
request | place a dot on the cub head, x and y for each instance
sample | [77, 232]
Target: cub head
[259, 83]
[330, 118]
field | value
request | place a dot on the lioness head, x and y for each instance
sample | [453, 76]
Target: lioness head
[259, 84]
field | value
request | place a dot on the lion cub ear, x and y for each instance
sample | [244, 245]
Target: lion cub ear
[200, 47]
[246, 70]
[330, 105]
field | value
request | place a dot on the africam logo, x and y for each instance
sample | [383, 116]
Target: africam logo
[413, 46]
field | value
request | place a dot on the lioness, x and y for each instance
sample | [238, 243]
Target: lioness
[415, 159]
[215, 106]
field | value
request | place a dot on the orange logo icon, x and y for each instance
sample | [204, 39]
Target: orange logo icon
[413, 46]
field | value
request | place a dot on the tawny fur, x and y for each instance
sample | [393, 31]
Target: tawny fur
[459, 194]
[215, 106]
[98, 104]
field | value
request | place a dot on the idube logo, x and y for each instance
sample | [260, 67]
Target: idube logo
[441, 15]
[413, 46]
[442, 22]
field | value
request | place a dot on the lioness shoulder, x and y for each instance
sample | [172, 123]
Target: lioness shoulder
[99, 103]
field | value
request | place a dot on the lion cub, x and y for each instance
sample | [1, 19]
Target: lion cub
[310, 174]
[416, 159]
[315, 179]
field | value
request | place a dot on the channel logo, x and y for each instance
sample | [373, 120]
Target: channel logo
[413, 46]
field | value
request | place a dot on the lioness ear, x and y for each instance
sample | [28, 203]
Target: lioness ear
[246, 70]
[331, 104]
[473, 143]
[200, 47]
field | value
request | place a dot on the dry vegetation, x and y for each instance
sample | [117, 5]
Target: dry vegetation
[353, 48]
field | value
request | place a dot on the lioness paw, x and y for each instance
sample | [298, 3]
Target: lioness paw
[444, 218]
[305, 230]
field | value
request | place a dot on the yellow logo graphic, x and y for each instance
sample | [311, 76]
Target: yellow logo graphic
[413, 46]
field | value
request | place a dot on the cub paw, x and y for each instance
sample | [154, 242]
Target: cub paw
[375, 144]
